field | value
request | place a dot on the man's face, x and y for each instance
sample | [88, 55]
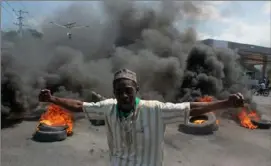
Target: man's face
[125, 93]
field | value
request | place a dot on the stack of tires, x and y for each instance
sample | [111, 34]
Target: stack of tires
[46, 133]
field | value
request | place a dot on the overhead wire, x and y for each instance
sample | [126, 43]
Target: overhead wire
[6, 10]
[15, 11]
[10, 7]
[28, 13]
[22, 5]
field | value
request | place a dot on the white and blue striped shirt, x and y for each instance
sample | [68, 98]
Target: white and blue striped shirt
[146, 135]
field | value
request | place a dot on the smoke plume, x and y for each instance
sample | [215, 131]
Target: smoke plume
[170, 63]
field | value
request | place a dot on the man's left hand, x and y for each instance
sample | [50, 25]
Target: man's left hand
[236, 100]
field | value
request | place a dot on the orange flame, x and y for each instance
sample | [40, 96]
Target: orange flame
[199, 121]
[205, 99]
[57, 116]
[245, 118]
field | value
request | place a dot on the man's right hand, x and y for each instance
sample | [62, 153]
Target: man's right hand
[45, 95]
[69, 104]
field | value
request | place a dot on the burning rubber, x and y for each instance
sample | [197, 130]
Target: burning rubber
[200, 125]
[261, 124]
[50, 134]
[54, 125]
[203, 124]
[44, 127]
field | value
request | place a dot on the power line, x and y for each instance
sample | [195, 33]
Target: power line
[25, 8]
[6, 10]
[20, 17]
[8, 4]
[11, 7]
[30, 16]
[22, 5]
[20, 21]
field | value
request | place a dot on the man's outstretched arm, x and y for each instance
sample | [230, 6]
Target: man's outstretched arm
[69, 104]
[174, 112]
[198, 108]
[76, 105]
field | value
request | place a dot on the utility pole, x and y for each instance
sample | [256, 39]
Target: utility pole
[20, 21]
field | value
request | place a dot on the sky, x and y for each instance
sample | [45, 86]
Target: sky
[238, 21]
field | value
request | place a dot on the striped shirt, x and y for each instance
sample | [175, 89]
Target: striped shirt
[141, 143]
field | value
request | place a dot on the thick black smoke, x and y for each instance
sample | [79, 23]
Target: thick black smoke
[171, 64]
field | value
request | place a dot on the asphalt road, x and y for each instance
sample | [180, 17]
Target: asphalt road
[231, 145]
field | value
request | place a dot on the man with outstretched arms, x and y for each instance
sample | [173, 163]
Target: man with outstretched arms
[135, 127]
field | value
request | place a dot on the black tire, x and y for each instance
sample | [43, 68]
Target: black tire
[49, 136]
[266, 93]
[208, 127]
[262, 124]
[256, 93]
[44, 127]
[97, 122]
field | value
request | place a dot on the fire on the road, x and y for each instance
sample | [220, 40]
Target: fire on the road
[245, 118]
[204, 99]
[57, 116]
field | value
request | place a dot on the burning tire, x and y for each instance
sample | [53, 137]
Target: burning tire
[261, 124]
[55, 124]
[44, 127]
[207, 124]
[50, 136]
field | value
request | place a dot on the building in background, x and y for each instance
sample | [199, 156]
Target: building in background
[251, 56]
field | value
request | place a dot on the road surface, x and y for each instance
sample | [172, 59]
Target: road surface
[231, 145]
